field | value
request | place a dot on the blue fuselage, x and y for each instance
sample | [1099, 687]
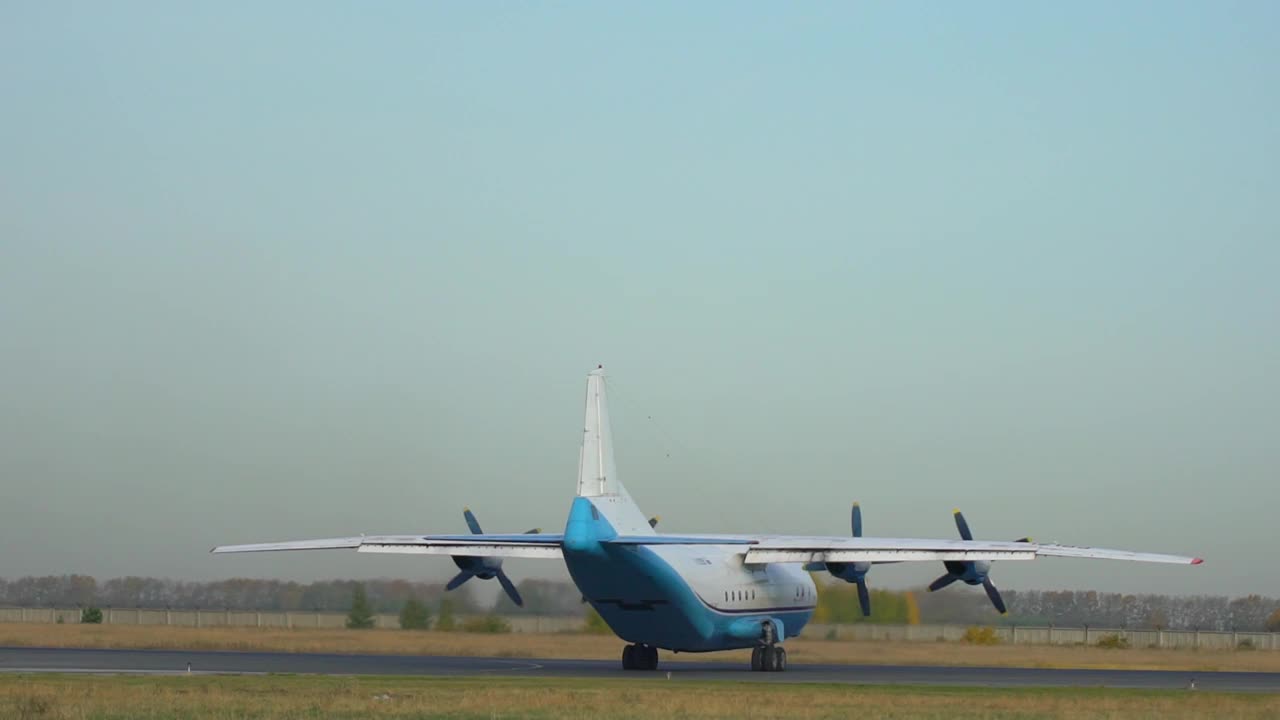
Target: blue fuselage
[682, 598]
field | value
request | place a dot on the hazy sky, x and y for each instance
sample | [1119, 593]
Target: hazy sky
[290, 270]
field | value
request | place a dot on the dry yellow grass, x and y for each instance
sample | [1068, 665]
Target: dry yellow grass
[203, 697]
[569, 645]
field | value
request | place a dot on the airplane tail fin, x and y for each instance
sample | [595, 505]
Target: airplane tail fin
[597, 473]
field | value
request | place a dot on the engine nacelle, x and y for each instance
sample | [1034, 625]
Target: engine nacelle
[970, 572]
[849, 572]
[484, 568]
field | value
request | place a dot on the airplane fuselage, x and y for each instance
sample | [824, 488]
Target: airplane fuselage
[680, 597]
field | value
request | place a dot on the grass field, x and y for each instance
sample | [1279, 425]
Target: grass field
[570, 645]
[223, 698]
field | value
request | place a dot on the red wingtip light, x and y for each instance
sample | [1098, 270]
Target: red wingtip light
[1196, 561]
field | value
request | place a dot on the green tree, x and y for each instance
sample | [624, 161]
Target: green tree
[414, 615]
[361, 615]
[1273, 622]
[91, 616]
[487, 624]
[838, 603]
[444, 618]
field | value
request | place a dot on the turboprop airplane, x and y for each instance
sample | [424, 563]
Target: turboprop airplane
[694, 593]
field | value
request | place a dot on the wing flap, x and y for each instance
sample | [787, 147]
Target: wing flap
[541, 552]
[756, 556]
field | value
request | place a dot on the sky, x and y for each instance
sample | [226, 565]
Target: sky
[289, 270]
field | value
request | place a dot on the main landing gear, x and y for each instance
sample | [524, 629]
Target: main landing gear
[639, 657]
[769, 658]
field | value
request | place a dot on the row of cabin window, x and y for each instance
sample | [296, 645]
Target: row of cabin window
[730, 595]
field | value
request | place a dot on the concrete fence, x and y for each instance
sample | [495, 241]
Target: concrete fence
[1040, 635]
[860, 632]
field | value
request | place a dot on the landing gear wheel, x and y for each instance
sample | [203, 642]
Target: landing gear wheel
[768, 655]
[639, 657]
[629, 657]
[769, 658]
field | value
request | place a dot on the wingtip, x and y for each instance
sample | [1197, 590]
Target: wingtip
[1197, 561]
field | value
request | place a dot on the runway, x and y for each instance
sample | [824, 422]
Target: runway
[40, 660]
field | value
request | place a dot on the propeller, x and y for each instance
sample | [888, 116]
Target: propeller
[483, 567]
[851, 572]
[971, 572]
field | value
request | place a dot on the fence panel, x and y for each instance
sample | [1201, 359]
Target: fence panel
[857, 632]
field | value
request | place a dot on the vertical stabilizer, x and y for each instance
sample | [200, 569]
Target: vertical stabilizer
[597, 473]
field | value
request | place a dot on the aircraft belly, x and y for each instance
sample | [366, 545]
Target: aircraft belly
[659, 596]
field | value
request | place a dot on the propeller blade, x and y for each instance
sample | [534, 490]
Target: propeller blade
[994, 594]
[534, 531]
[815, 567]
[942, 582]
[962, 526]
[864, 598]
[471, 521]
[653, 521]
[510, 588]
[458, 580]
[1024, 539]
[856, 520]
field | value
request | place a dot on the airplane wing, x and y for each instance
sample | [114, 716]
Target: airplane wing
[757, 549]
[867, 549]
[761, 549]
[546, 546]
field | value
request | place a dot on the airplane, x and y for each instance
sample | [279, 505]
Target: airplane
[698, 592]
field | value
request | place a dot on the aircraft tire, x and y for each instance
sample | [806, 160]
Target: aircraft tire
[757, 662]
[629, 657]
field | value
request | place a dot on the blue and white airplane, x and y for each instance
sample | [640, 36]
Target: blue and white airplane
[695, 593]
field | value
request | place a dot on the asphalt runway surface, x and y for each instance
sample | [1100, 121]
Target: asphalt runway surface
[38, 660]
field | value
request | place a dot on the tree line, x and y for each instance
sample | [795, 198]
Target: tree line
[837, 601]
[384, 595]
